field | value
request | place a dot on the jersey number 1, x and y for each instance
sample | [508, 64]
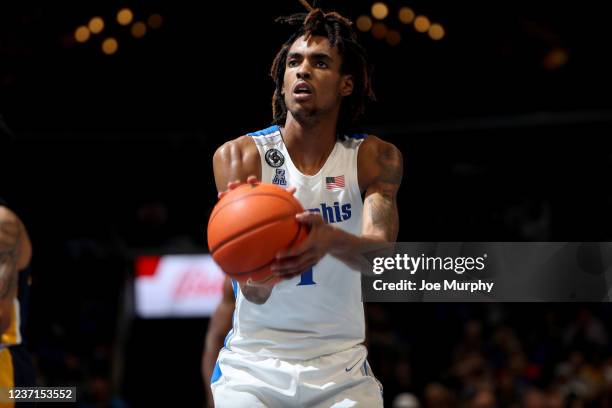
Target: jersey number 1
[307, 278]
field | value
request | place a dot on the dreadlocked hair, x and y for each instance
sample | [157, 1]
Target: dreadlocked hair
[337, 29]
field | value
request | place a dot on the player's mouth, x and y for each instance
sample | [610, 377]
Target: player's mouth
[302, 91]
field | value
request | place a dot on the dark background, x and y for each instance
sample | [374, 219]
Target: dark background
[114, 158]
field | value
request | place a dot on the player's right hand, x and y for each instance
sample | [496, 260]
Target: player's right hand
[253, 180]
[233, 184]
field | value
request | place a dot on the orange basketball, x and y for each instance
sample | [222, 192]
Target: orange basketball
[249, 226]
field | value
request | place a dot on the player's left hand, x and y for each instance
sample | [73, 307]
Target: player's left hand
[294, 261]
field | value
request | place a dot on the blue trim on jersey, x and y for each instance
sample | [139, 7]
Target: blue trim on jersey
[266, 131]
[235, 287]
[216, 374]
[231, 330]
[357, 136]
[228, 335]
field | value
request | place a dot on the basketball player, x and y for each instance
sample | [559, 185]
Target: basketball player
[300, 343]
[16, 368]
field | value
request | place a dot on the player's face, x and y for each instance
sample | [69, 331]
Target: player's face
[313, 84]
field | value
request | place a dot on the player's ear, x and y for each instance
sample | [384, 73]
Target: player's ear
[346, 85]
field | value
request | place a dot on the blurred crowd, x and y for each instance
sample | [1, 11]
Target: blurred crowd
[492, 355]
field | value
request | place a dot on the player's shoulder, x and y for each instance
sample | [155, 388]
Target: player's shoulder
[376, 156]
[240, 148]
[375, 149]
[246, 144]
[239, 155]
[238, 144]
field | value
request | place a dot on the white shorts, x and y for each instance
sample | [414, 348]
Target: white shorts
[338, 380]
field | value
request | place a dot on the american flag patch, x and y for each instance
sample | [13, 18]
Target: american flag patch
[333, 183]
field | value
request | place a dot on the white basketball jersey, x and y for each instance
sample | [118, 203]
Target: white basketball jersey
[319, 312]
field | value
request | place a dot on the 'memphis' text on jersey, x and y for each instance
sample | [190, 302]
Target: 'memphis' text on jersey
[334, 213]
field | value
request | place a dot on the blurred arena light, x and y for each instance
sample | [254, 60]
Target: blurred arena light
[364, 23]
[82, 34]
[379, 30]
[110, 46]
[155, 21]
[139, 29]
[436, 32]
[125, 16]
[96, 25]
[406, 15]
[421, 24]
[380, 11]
[393, 37]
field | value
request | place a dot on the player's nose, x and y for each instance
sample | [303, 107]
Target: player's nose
[304, 71]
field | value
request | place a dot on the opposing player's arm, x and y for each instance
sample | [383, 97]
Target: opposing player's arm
[233, 162]
[380, 168]
[218, 327]
[15, 254]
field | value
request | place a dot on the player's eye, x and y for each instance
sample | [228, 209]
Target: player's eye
[321, 64]
[292, 63]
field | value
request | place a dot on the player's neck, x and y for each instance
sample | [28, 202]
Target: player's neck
[309, 145]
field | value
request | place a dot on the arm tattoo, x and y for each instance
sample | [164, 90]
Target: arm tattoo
[383, 215]
[10, 239]
[383, 211]
[390, 163]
